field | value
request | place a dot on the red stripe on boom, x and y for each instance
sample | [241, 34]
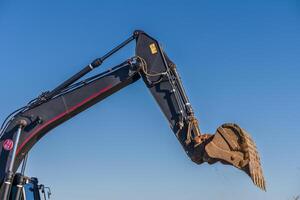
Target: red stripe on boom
[61, 115]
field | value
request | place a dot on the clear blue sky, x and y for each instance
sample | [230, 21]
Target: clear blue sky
[239, 61]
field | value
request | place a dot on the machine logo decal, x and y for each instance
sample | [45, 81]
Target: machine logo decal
[8, 144]
[153, 48]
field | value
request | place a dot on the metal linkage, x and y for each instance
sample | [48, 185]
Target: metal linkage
[21, 179]
[96, 63]
[182, 91]
[10, 175]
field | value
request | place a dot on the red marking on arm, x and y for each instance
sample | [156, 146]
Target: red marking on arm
[61, 115]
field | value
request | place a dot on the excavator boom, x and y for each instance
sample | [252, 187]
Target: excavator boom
[230, 144]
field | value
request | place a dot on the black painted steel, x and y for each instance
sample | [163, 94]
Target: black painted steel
[69, 99]
[42, 118]
[166, 87]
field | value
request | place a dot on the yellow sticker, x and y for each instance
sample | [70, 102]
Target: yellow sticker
[153, 48]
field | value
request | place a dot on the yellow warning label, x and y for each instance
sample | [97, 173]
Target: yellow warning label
[153, 48]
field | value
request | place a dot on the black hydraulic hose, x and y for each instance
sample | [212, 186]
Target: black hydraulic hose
[86, 81]
[96, 63]
[10, 118]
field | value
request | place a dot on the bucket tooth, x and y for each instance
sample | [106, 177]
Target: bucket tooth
[233, 145]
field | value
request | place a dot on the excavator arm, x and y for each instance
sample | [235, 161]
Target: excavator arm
[230, 144]
[24, 128]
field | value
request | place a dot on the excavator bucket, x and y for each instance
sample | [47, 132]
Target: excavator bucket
[233, 145]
